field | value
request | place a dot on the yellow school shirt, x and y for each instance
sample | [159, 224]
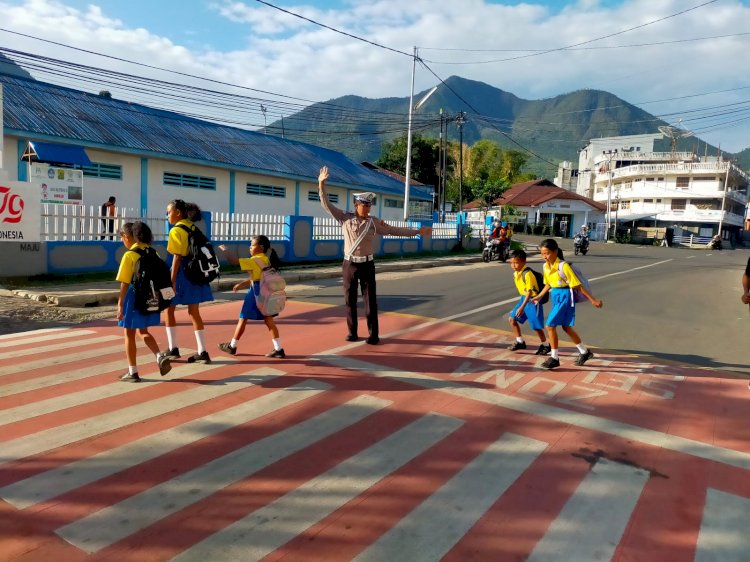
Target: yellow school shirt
[252, 265]
[552, 275]
[525, 282]
[127, 263]
[177, 245]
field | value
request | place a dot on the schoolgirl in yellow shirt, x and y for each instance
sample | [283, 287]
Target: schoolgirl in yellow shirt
[261, 255]
[563, 312]
[136, 235]
[186, 292]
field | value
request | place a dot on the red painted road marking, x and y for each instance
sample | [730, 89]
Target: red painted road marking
[677, 432]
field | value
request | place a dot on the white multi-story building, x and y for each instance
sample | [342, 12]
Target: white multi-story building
[692, 194]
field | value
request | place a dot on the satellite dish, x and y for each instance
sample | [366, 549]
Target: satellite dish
[674, 133]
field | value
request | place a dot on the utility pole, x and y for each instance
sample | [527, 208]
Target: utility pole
[445, 165]
[265, 123]
[460, 120]
[408, 139]
[610, 155]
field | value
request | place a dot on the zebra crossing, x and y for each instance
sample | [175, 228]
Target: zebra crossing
[247, 460]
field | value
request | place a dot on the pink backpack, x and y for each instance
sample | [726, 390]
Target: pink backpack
[271, 295]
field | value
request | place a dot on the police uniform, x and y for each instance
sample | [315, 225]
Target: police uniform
[359, 264]
[186, 292]
[563, 312]
[131, 317]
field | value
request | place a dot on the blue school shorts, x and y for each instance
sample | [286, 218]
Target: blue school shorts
[533, 313]
[134, 319]
[187, 292]
[563, 311]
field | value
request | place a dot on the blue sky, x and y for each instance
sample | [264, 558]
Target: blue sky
[679, 59]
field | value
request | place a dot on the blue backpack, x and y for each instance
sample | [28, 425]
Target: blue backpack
[578, 296]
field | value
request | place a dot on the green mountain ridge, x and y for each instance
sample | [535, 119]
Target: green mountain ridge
[553, 128]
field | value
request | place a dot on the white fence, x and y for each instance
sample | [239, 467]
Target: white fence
[77, 222]
[691, 240]
[243, 226]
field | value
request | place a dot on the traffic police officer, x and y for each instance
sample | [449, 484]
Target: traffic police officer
[359, 266]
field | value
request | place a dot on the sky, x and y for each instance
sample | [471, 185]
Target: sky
[683, 60]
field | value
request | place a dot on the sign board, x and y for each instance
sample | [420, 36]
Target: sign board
[58, 185]
[20, 212]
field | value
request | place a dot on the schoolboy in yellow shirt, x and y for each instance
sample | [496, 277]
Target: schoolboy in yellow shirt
[528, 288]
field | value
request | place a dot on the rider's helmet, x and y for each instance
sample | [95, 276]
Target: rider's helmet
[505, 224]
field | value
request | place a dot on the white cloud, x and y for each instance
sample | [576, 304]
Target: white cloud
[290, 56]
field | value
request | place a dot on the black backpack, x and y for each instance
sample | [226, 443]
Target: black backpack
[539, 283]
[201, 264]
[152, 282]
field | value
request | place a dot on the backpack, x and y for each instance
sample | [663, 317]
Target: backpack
[152, 282]
[578, 296]
[271, 296]
[539, 283]
[202, 265]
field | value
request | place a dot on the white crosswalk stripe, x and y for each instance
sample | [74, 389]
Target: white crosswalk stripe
[50, 361]
[116, 522]
[144, 356]
[58, 346]
[260, 533]
[20, 336]
[420, 536]
[724, 535]
[60, 334]
[98, 425]
[46, 485]
[593, 520]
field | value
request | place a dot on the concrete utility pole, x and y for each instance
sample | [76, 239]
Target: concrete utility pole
[610, 155]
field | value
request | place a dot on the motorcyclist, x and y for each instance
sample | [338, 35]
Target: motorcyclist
[502, 234]
[581, 239]
[715, 243]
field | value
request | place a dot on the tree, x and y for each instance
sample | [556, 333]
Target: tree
[425, 158]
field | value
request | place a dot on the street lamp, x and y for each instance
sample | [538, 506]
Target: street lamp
[610, 155]
[412, 109]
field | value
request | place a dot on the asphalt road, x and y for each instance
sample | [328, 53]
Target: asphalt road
[666, 303]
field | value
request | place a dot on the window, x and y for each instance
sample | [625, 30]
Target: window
[624, 205]
[704, 178]
[265, 190]
[679, 204]
[189, 180]
[648, 200]
[313, 196]
[650, 179]
[98, 170]
[394, 203]
[683, 182]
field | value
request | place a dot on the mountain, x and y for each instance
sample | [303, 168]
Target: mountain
[554, 128]
[7, 66]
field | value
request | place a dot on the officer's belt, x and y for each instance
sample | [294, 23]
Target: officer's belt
[359, 259]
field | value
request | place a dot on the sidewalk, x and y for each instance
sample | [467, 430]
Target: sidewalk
[103, 293]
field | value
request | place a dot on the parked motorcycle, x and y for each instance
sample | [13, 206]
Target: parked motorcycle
[494, 249]
[580, 244]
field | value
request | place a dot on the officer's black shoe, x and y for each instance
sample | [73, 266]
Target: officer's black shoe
[352, 337]
[373, 340]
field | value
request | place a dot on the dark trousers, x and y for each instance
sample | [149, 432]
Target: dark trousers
[108, 225]
[364, 274]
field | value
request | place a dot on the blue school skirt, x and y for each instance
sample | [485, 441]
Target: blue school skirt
[563, 311]
[249, 307]
[134, 319]
[533, 313]
[187, 292]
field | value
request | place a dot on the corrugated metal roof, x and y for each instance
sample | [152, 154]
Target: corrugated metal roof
[37, 108]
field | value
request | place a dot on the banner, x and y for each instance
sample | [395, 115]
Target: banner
[59, 185]
[20, 212]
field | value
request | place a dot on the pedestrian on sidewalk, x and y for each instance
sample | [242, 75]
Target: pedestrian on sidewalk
[136, 236]
[261, 256]
[186, 292]
[563, 311]
[528, 287]
[360, 230]
[108, 222]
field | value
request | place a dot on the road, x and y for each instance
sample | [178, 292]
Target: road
[439, 444]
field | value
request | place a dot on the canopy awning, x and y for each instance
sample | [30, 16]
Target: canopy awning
[55, 153]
